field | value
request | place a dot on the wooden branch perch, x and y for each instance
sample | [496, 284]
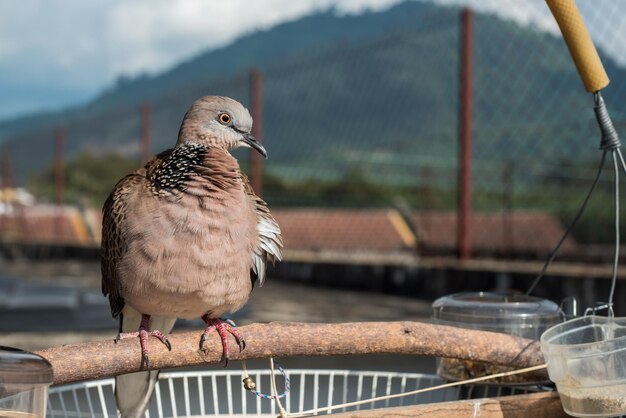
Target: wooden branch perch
[101, 359]
[544, 405]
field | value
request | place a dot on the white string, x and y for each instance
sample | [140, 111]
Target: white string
[281, 410]
[245, 369]
[284, 414]
[415, 392]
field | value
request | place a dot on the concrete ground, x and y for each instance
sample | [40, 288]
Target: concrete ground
[275, 301]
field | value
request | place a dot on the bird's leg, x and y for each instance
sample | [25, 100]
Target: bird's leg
[223, 327]
[143, 334]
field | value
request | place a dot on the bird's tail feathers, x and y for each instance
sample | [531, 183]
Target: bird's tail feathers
[133, 390]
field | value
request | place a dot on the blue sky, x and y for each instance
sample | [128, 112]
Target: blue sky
[59, 53]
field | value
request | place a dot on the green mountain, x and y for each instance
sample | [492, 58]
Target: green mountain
[375, 92]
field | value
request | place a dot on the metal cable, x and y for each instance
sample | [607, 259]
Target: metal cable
[570, 227]
[610, 138]
[621, 158]
[615, 154]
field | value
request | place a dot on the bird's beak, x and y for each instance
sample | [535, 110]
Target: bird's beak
[250, 140]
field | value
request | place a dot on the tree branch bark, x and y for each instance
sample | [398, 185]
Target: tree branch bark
[95, 360]
[544, 405]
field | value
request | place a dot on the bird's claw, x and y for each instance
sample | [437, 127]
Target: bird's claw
[163, 338]
[145, 361]
[143, 335]
[241, 343]
[202, 340]
[223, 327]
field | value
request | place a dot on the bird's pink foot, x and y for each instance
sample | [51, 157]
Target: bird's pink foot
[223, 327]
[143, 334]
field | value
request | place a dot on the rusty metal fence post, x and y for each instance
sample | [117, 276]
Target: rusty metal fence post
[508, 237]
[6, 184]
[59, 178]
[59, 165]
[464, 221]
[256, 108]
[7, 180]
[146, 124]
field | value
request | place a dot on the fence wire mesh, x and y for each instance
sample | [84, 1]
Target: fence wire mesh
[362, 130]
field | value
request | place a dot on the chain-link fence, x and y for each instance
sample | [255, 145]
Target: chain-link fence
[361, 123]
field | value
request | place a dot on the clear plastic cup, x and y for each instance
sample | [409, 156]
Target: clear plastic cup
[24, 382]
[587, 360]
[514, 314]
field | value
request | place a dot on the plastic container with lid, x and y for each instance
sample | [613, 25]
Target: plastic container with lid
[587, 360]
[514, 314]
[24, 382]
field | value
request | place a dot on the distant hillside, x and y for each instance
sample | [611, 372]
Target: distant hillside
[376, 91]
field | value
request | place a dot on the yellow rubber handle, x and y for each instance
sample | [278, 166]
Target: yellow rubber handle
[580, 44]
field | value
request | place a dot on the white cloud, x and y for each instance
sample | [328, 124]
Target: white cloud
[81, 46]
[150, 28]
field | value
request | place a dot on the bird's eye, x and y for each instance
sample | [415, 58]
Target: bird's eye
[224, 118]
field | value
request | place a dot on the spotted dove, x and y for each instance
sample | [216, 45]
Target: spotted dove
[185, 237]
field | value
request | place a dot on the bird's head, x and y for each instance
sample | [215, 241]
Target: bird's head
[219, 122]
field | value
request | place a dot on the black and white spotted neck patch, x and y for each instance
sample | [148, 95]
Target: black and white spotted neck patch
[177, 168]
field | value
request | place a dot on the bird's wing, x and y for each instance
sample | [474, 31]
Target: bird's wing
[270, 241]
[113, 243]
[113, 226]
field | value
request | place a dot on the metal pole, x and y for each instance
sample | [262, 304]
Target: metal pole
[507, 209]
[256, 108]
[7, 181]
[464, 236]
[429, 198]
[146, 123]
[17, 227]
[59, 178]
[59, 165]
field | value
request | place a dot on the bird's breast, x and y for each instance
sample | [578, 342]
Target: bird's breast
[193, 251]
